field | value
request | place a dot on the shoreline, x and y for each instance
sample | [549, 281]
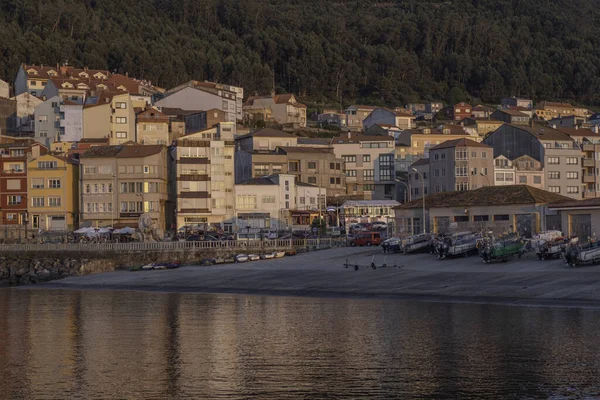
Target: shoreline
[408, 297]
[519, 282]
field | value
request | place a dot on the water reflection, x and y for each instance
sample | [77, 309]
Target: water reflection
[56, 344]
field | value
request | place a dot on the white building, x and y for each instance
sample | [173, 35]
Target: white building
[203, 177]
[71, 121]
[367, 211]
[384, 116]
[265, 202]
[196, 95]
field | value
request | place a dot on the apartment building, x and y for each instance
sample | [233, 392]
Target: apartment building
[398, 118]
[267, 202]
[33, 79]
[558, 154]
[562, 109]
[418, 179]
[281, 108]
[419, 141]
[356, 114]
[369, 163]
[459, 165]
[119, 183]
[523, 170]
[197, 95]
[53, 193]
[202, 177]
[47, 121]
[152, 127]
[200, 120]
[13, 179]
[109, 114]
[512, 117]
[332, 118]
[462, 110]
[265, 139]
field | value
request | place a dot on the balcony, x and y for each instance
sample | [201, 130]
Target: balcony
[588, 147]
[589, 162]
[589, 194]
[589, 178]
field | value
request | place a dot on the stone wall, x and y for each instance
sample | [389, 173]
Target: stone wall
[18, 268]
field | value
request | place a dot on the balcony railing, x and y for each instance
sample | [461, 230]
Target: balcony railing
[589, 162]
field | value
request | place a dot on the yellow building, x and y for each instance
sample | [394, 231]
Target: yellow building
[61, 147]
[52, 192]
[109, 115]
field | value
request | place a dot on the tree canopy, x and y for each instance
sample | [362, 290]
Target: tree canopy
[326, 51]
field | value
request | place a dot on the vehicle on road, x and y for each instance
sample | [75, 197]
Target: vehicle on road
[366, 239]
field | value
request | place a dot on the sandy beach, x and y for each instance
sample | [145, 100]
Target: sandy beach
[525, 281]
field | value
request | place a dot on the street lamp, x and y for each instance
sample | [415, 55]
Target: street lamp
[423, 197]
[407, 189]
[486, 177]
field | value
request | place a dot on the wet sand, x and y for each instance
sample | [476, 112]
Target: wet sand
[525, 281]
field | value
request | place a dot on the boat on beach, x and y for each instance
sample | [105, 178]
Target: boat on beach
[159, 265]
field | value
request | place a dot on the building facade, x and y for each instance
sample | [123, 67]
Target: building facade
[369, 163]
[395, 118]
[47, 121]
[203, 177]
[282, 108]
[152, 127]
[53, 193]
[356, 114]
[109, 115]
[119, 183]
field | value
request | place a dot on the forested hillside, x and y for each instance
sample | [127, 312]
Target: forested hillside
[324, 50]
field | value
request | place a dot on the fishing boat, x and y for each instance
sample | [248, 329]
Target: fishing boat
[580, 252]
[543, 237]
[279, 254]
[416, 243]
[502, 248]
[552, 248]
[391, 245]
[159, 265]
[267, 256]
[457, 244]
[240, 258]
[253, 257]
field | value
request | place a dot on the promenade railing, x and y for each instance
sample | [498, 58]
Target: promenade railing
[238, 245]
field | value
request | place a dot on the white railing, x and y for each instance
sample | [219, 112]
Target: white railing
[239, 245]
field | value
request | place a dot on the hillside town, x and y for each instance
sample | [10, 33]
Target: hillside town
[93, 148]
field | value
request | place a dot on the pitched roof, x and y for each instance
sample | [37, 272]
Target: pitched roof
[287, 98]
[420, 162]
[152, 115]
[481, 107]
[123, 151]
[577, 131]
[488, 196]
[266, 132]
[262, 181]
[543, 132]
[513, 113]
[464, 142]
[313, 141]
[355, 138]
[586, 203]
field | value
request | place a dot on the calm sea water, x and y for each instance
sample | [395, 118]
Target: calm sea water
[133, 345]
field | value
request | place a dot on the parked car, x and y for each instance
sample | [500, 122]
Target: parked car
[380, 226]
[193, 238]
[366, 239]
[270, 235]
[248, 236]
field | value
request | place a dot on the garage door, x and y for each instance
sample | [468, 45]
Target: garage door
[524, 224]
[58, 223]
[580, 225]
[442, 224]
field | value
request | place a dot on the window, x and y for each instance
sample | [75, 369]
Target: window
[368, 187]
[554, 189]
[121, 120]
[386, 175]
[54, 183]
[338, 166]
[246, 202]
[502, 217]
[553, 160]
[572, 160]
[500, 177]
[509, 177]
[484, 171]
[461, 154]
[522, 179]
[349, 159]
[332, 181]
[473, 154]
[338, 181]
[483, 155]
[572, 175]
[369, 174]
[37, 183]
[146, 169]
[366, 158]
[42, 118]
[332, 166]
[461, 171]
[572, 189]
[37, 202]
[268, 199]
[443, 171]
[312, 165]
[436, 173]
[312, 180]
[89, 170]
[351, 172]
[53, 201]
[47, 164]
[121, 104]
[121, 135]
[436, 157]
[43, 134]
[462, 186]
[553, 175]
[537, 180]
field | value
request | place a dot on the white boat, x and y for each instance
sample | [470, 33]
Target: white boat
[240, 258]
[279, 254]
[462, 243]
[579, 253]
[253, 257]
[415, 243]
[267, 256]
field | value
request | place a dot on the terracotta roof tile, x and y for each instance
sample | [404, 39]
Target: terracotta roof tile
[459, 143]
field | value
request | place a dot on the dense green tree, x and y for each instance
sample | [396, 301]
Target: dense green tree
[328, 52]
